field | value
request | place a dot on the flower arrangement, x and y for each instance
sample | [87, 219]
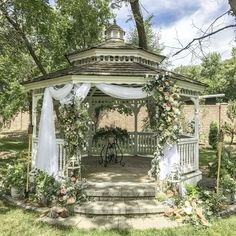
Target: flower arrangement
[167, 105]
[120, 135]
[70, 191]
[76, 124]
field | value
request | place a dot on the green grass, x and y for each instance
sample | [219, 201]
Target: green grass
[14, 143]
[15, 221]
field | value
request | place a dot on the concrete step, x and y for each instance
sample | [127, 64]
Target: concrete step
[119, 191]
[138, 207]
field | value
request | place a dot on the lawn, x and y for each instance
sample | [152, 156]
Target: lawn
[15, 221]
[14, 146]
[18, 142]
[206, 156]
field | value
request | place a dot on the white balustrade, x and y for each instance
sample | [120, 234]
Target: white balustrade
[187, 148]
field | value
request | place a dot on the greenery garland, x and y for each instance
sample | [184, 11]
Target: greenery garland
[120, 135]
[167, 103]
[76, 124]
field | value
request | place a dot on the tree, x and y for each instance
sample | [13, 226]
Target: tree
[153, 38]
[36, 45]
[139, 21]
[220, 76]
[211, 30]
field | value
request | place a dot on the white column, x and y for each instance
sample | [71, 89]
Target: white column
[196, 128]
[34, 124]
[136, 111]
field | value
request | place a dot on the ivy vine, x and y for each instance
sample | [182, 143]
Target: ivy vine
[167, 105]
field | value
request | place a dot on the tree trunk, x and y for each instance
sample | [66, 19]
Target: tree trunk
[139, 23]
[232, 4]
[232, 138]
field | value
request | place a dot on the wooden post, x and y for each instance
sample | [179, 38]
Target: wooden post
[136, 110]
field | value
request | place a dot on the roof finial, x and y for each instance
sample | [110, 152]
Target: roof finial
[114, 21]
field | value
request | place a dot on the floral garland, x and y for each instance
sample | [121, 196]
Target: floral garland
[167, 129]
[76, 124]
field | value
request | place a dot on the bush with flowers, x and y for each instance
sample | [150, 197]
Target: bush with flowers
[45, 190]
[70, 191]
[167, 105]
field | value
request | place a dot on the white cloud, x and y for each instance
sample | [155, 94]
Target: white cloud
[202, 17]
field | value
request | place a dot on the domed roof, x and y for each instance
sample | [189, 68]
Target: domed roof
[115, 32]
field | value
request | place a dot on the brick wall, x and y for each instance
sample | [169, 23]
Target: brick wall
[208, 113]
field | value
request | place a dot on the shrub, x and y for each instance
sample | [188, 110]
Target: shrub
[15, 177]
[213, 134]
[228, 164]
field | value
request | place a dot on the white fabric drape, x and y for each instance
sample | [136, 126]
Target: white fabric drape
[47, 156]
[47, 159]
[82, 91]
[122, 92]
[170, 160]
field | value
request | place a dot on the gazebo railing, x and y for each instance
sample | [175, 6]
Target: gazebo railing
[146, 143]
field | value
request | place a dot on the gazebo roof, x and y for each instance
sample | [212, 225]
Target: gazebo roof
[112, 61]
[111, 69]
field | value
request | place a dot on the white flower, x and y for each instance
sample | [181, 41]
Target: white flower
[188, 210]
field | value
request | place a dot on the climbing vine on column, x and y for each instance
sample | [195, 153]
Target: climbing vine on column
[167, 129]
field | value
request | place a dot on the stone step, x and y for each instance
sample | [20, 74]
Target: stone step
[138, 207]
[119, 191]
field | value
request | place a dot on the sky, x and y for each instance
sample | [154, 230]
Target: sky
[179, 21]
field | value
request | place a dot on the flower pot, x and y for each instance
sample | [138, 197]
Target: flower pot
[16, 193]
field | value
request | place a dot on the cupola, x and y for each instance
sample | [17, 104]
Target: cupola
[114, 33]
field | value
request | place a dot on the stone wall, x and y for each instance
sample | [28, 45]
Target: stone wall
[208, 113]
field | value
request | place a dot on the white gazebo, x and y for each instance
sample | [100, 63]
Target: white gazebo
[116, 63]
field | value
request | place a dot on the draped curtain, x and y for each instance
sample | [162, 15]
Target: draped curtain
[47, 156]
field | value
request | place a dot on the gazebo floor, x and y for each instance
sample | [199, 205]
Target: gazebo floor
[134, 171]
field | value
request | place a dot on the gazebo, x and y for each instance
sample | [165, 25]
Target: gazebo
[124, 66]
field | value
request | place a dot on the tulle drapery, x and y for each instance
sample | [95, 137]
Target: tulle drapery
[47, 156]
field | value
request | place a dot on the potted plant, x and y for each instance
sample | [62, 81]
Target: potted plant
[15, 180]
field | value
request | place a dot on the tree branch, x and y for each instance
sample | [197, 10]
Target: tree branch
[202, 37]
[232, 4]
[25, 40]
